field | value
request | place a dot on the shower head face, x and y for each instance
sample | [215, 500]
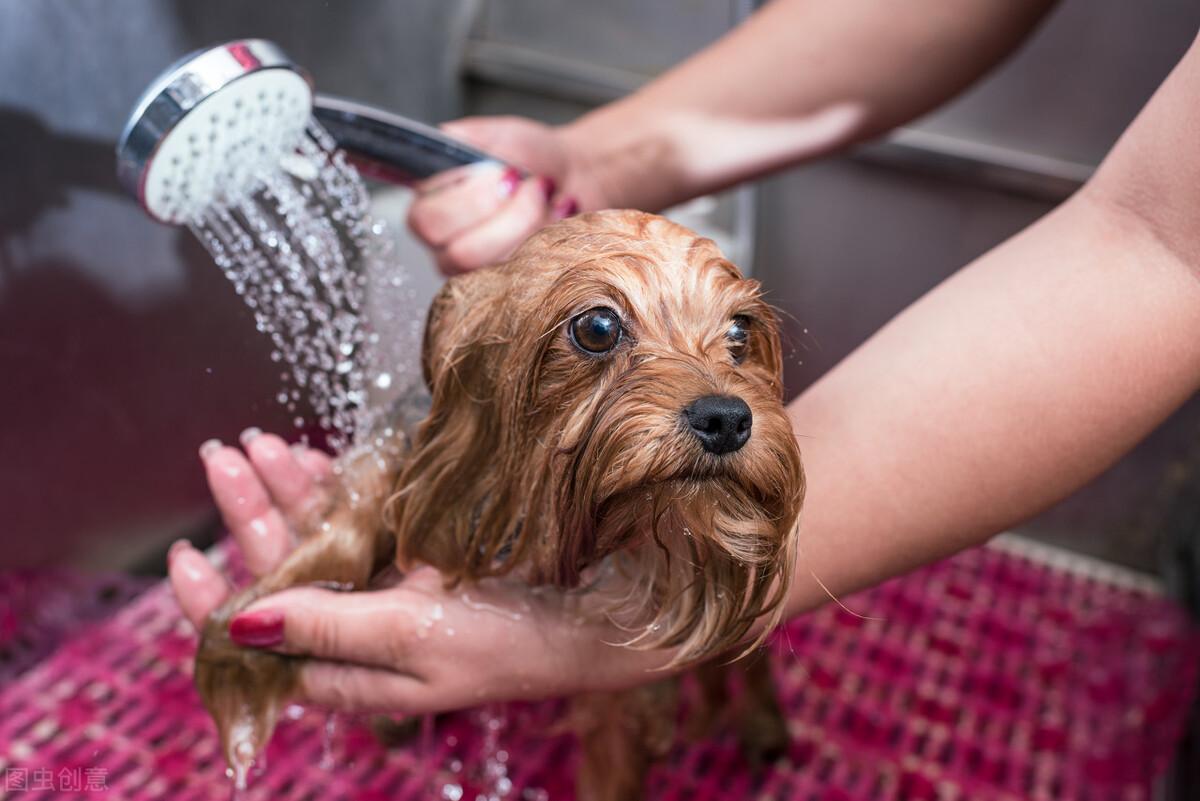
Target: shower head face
[207, 127]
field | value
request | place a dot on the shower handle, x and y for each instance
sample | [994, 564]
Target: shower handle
[391, 147]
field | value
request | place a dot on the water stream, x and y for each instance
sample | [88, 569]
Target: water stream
[303, 252]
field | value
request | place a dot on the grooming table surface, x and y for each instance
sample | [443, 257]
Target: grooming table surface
[1003, 673]
[39, 609]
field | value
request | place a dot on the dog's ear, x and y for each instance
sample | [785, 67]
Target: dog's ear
[450, 477]
[454, 312]
[436, 322]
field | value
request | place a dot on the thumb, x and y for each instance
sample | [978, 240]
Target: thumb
[482, 132]
[519, 141]
[368, 628]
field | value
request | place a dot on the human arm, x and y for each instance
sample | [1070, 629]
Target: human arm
[1018, 379]
[798, 80]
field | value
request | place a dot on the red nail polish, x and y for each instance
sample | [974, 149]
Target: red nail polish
[510, 179]
[261, 629]
[548, 186]
[565, 207]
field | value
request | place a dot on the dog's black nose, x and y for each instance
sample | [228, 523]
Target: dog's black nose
[720, 422]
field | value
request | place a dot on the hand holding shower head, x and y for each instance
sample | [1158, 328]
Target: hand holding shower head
[202, 130]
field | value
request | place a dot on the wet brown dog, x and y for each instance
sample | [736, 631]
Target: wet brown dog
[606, 417]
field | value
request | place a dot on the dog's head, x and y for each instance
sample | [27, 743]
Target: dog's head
[609, 400]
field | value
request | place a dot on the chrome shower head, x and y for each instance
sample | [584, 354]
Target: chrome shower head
[206, 127]
[203, 129]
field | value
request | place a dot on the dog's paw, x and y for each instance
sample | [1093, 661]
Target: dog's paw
[394, 732]
[244, 691]
[763, 736]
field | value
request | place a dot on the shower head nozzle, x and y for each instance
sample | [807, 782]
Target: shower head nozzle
[205, 127]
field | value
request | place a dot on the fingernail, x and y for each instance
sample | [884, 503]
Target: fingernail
[298, 449]
[177, 547]
[565, 207]
[510, 179]
[548, 186]
[248, 436]
[259, 629]
[209, 447]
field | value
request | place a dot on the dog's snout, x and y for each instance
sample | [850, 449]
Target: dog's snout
[721, 422]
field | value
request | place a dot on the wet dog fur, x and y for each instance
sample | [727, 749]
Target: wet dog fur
[606, 417]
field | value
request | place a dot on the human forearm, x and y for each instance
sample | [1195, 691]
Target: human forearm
[1003, 390]
[1020, 378]
[799, 79]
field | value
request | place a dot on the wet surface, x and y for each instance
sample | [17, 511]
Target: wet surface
[992, 675]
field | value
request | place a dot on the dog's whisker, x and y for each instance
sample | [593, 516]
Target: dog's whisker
[827, 591]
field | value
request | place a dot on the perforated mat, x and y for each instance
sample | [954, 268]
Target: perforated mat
[41, 608]
[991, 676]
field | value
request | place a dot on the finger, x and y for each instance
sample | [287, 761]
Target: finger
[499, 235]
[357, 688]
[318, 463]
[292, 488]
[506, 136]
[256, 525]
[482, 132]
[564, 207]
[439, 214]
[197, 585]
[447, 178]
[368, 628]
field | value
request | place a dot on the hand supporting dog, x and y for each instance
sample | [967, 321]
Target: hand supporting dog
[342, 545]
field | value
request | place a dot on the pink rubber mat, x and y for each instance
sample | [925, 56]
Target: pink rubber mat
[41, 608]
[992, 675]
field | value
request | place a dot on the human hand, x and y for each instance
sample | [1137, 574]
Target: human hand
[413, 647]
[477, 215]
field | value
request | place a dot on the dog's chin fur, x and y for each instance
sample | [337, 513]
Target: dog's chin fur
[561, 467]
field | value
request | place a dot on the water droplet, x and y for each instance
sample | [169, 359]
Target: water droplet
[301, 254]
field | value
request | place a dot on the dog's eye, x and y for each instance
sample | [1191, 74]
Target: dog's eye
[596, 330]
[739, 337]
